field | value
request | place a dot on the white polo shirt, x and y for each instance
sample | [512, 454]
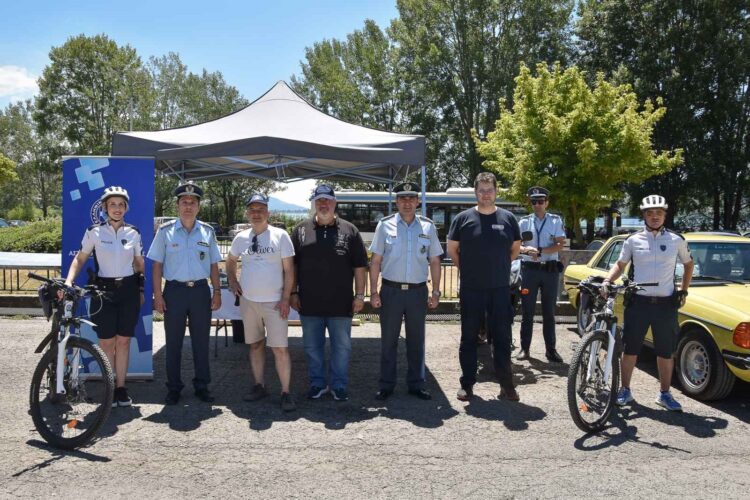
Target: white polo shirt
[113, 251]
[654, 259]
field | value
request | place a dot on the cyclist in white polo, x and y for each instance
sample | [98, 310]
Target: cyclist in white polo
[118, 263]
[653, 253]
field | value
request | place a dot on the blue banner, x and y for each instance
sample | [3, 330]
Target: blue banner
[84, 180]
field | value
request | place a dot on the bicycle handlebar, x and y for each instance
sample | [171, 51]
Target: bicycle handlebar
[73, 290]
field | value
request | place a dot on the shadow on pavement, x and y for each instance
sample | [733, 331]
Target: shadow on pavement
[117, 417]
[57, 454]
[231, 379]
[514, 415]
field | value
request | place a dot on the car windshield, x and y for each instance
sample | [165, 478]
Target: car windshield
[725, 260]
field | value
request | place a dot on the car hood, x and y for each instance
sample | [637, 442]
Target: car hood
[730, 300]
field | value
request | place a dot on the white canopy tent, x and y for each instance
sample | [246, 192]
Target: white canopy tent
[279, 136]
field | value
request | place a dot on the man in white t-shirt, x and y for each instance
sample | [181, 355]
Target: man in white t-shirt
[263, 289]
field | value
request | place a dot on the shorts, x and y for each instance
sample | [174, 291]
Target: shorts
[261, 321]
[120, 309]
[662, 318]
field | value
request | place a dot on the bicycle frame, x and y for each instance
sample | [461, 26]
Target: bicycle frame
[607, 317]
[66, 323]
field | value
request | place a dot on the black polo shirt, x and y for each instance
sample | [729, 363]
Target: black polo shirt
[326, 257]
[485, 242]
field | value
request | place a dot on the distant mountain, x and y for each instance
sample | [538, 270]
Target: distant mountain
[276, 205]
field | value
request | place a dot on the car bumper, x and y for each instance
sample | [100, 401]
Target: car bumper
[737, 359]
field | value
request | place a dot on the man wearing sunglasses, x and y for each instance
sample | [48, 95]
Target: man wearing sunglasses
[263, 289]
[540, 271]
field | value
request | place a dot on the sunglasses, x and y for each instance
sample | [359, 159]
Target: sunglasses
[538, 202]
[254, 246]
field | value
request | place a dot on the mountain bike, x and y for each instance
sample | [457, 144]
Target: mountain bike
[73, 384]
[594, 374]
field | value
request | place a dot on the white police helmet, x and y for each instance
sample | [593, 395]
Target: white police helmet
[653, 201]
[114, 191]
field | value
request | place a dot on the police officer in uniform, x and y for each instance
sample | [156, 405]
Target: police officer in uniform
[540, 270]
[652, 254]
[186, 254]
[118, 264]
[405, 245]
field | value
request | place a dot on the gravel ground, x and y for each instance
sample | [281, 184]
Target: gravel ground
[402, 448]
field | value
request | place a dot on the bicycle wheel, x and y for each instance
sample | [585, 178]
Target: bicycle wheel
[71, 420]
[591, 398]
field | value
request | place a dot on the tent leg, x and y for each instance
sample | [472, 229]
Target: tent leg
[424, 190]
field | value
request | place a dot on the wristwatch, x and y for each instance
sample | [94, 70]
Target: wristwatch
[360, 296]
[436, 293]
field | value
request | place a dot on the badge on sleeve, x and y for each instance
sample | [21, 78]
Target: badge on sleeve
[663, 248]
[124, 242]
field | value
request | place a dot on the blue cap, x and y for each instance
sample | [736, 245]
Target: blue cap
[323, 191]
[188, 189]
[257, 198]
[406, 189]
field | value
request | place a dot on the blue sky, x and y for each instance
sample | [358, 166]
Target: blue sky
[252, 43]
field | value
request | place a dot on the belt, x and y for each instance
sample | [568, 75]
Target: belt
[115, 282]
[647, 299]
[547, 265]
[188, 284]
[403, 286]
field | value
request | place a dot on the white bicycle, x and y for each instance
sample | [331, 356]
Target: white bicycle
[594, 374]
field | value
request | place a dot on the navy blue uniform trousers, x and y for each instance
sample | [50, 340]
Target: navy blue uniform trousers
[410, 305]
[535, 280]
[495, 303]
[183, 304]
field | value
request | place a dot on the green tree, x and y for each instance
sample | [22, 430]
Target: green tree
[7, 170]
[92, 88]
[696, 55]
[37, 156]
[581, 142]
[462, 56]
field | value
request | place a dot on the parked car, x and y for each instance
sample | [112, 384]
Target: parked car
[4, 223]
[713, 348]
[17, 223]
[595, 245]
[158, 221]
[237, 228]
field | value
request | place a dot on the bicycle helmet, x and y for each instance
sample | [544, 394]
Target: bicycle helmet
[653, 201]
[114, 191]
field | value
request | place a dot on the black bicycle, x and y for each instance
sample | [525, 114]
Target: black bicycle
[72, 386]
[594, 374]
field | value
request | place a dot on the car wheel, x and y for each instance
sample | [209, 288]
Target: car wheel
[700, 367]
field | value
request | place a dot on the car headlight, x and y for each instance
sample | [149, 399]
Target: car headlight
[741, 335]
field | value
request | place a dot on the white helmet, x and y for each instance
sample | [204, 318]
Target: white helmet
[114, 191]
[653, 201]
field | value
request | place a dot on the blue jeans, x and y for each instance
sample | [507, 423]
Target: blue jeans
[314, 337]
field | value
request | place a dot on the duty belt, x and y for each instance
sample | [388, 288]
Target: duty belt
[551, 266]
[189, 284]
[403, 286]
[647, 299]
[114, 282]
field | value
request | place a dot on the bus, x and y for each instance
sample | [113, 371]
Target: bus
[364, 209]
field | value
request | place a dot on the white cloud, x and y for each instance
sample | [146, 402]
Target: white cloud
[296, 192]
[16, 83]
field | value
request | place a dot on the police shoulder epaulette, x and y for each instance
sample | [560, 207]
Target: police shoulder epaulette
[168, 223]
[207, 225]
[633, 234]
[131, 226]
[388, 217]
[93, 226]
[422, 217]
[675, 233]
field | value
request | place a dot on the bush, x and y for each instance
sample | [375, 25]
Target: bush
[24, 211]
[44, 236]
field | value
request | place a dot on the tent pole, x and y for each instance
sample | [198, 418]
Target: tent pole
[424, 191]
[390, 197]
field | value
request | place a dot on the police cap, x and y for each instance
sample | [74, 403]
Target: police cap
[188, 189]
[406, 189]
[537, 192]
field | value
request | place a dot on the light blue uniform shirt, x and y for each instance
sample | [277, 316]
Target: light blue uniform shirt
[185, 256]
[545, 232]
[406, 249]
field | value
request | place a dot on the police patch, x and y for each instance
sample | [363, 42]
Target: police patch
[97, 214]
[663, 248]
[124, 242]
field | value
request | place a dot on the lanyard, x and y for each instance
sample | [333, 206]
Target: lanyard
[539, 231]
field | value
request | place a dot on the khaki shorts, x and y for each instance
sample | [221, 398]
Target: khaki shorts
[261, 321]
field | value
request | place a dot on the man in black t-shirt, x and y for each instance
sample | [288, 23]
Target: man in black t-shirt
[329, 252]
[482, 242]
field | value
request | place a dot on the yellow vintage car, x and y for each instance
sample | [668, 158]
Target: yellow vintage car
[714, 345]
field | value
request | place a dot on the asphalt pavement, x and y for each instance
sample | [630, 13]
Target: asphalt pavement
[362, 448]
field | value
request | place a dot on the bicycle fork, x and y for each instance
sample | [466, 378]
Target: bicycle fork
[610, 353]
